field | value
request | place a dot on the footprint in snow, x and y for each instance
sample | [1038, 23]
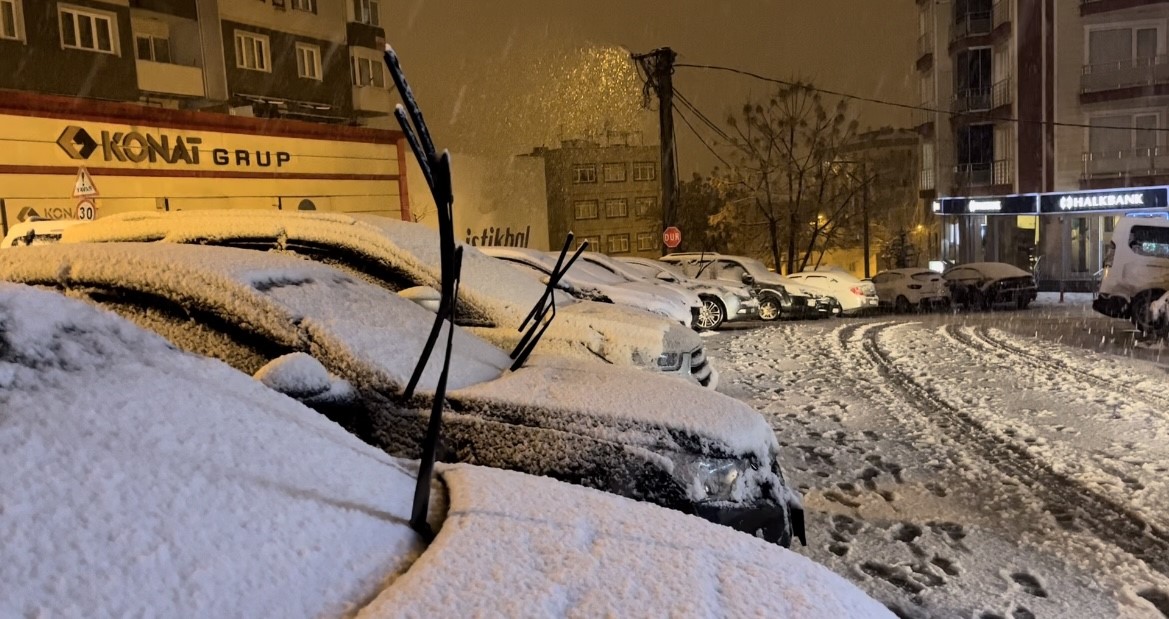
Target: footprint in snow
[1030, 584]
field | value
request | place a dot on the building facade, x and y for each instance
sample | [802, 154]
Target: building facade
[1031, 101]
[607, 194]
[183, 104]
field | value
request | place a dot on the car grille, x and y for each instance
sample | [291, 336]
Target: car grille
[700, 367]
[1015, 283]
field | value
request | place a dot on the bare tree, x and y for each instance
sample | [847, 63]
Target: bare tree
[787, 154]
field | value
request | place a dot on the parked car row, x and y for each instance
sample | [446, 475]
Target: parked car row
[976, 285]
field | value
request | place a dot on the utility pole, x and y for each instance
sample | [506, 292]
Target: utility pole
[865, 215]
[658, 66]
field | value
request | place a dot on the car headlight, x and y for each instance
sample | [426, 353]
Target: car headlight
[670, 361]
[709, 479]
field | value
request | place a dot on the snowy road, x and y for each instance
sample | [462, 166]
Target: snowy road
[955, 469]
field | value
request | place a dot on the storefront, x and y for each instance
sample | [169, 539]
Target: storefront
[142, 158]
[1061, 236]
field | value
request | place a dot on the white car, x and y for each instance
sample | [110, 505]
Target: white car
[720, 302]
[982, 285]
[494, 297]
[37, 231]
[585, 281]
[778, 297]
[855, 296]
[141, 481]
[641, 435]
[911, 288]
[1136, 273]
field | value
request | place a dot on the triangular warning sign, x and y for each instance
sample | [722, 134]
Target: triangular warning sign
[84, 187]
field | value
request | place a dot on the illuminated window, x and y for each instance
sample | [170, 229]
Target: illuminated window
[647, 241]
[368, 72]
[618, 243]
[584, 174]
[645, 171]
[616, 207]
[251, 52]
[308, 61]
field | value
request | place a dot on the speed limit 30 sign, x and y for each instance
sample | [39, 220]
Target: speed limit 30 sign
[86, 210]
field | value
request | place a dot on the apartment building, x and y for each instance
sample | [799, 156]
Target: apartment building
[606, 193]
[197, 104]
[1047, 127]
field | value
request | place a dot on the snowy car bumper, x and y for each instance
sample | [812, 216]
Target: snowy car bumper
[773, 522]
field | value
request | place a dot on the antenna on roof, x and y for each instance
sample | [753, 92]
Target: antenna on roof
[436, 168]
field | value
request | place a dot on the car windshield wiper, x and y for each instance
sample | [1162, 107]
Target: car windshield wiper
[436, 169]
[544, 311]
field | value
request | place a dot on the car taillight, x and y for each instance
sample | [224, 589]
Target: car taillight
[857, 291]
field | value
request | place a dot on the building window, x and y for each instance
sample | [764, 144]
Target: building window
[308, 61]
[614, 172]
[585, 209]
[642, 207]
[616, 207]
[367, 12]
[368, 72]
[584, 174]
[309, 6]
[89, 30]
[1118, 49]
[251, 52]
[149, 47]
[645, 171]
[618, 243]
[593, 241]
[11, 20]
[1110, 138]
[646, 241]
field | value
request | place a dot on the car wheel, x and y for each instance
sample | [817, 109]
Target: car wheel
[1022, 303]
[901, 306]
[1142, 315]
[712, 314]
[769, 308]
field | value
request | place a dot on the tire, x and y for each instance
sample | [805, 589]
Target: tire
[769, 308]
[901, 306]
[1022, 303]
[1141, 317]
[712, 315]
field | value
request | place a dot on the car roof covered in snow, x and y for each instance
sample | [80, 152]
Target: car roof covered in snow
[229, 499]
[998, 270]
[500, 290]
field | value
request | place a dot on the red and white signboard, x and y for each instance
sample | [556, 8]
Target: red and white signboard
[86, 210]
[84, 187]
[672, 237]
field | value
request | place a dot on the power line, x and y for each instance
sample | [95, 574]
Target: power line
[709, 123]
[907, 106]
[700, 139]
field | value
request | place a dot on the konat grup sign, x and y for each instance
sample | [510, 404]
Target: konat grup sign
[160, 147]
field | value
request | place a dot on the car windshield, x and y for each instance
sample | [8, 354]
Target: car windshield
[926, 276]
[755, 267]
[586, 272]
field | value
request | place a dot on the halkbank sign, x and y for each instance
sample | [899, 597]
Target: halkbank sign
[159, 147]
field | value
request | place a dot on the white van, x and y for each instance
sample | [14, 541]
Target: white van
[36, 232]
[1136, 273]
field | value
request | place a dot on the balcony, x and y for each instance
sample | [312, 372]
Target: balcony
[923, 119]
[983, 99]
[1131, 73]
[925, 45]
[971, 25]
[170, 79]
[371, 100]
[1003, 12]
[987, 174]
[925, 180]
[1122, 165]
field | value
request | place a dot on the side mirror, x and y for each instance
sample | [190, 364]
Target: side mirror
[425, 296]
[748, 279]
[301, 377]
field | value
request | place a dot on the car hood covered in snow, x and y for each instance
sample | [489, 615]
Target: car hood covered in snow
[377, 336]
[142, 481]
[618, 334]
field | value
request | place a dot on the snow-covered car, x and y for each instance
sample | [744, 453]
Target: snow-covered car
[588, 282]
[494, 297]
[141, 481]
[36, 231]
[1136, 273]
[636, 434]
[983, 285]
[911, 288]
[855, 296]
[778, 296]
[721, 302]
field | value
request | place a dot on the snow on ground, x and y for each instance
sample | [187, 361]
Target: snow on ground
[952, 469]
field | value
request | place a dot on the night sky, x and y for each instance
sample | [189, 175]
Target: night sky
[498, 78]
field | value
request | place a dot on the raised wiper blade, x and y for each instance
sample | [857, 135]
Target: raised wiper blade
[436, 169]
[539, 315]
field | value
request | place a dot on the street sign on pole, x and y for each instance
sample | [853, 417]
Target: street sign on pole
[672, 237]
[86, 210]
[84, 187]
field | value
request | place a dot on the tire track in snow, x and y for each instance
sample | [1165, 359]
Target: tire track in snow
[1108, 520]
[983, 339]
